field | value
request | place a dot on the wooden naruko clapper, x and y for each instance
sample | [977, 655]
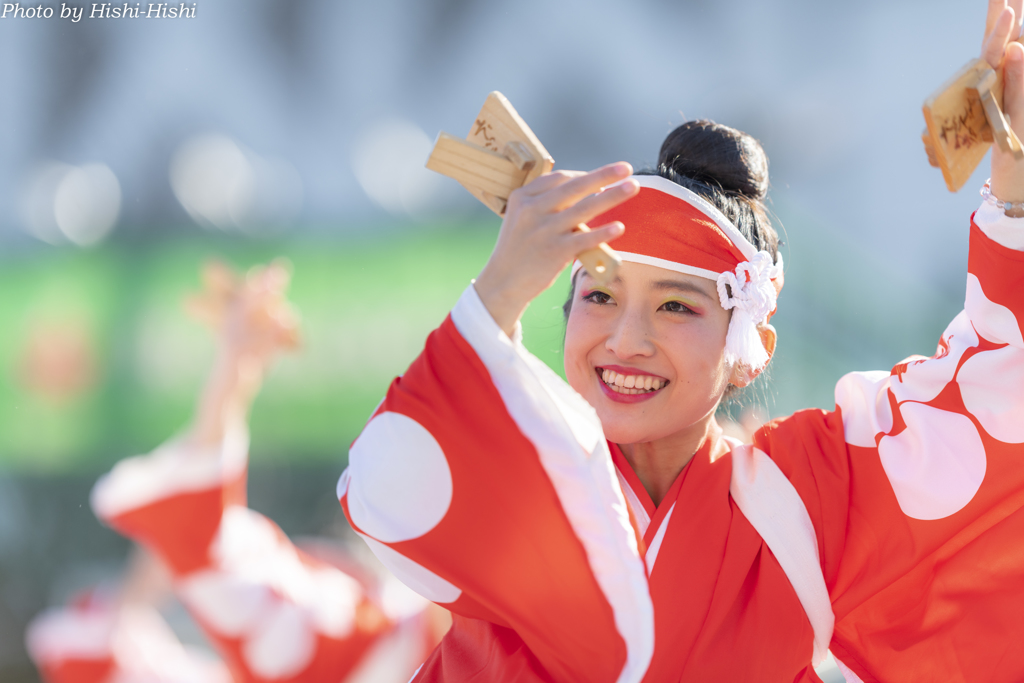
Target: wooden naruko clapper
[501, 154]
[964, 118]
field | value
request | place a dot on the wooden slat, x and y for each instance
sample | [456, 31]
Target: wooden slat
[498, 124]
[500, 154]
[957, 125]
[475, 166]
[601, 262]
[960, 131]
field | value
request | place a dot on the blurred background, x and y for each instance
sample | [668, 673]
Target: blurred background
[133, 150]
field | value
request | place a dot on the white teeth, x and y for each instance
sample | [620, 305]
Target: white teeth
[631, 384]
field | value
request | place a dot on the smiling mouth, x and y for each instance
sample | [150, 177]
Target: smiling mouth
[630, 384]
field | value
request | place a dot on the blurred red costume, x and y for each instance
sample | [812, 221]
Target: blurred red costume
[95, 640]
[272, 611]
[888, 530]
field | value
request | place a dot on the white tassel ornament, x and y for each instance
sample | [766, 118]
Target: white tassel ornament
[751, 293]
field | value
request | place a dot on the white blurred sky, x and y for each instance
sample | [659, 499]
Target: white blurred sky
[833, 90]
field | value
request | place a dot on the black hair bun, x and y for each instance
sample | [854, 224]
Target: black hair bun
[718, 156]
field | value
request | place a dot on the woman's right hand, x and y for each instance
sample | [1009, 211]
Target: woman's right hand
[539, 235]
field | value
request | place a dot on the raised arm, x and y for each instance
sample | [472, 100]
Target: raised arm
[485, 484]
[192, 478]
[272, 611]
[253, 322]
[1000, 49]
[914, 483]
[538, 237]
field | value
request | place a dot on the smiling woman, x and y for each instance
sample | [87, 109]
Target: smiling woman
[604, 529]
[676, 314]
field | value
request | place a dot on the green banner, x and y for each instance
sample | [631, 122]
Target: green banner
[99, 360]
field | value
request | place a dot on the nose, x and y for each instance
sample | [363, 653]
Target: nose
[631, 336]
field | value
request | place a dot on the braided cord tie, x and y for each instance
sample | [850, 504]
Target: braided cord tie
[750, 292]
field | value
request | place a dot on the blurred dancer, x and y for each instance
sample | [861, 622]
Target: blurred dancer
[273, 611]
[115, 634]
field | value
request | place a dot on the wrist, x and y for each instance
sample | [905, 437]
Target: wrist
[227, 395]
[1006, 197]
[504, 304]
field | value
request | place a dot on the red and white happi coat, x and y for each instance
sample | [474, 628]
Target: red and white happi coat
[890, 530]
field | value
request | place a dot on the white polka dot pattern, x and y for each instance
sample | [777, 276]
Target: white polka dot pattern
[936, 464]
[227, 604]
[992, 386]
[993, 321]
[924, 380]
[260, 591]
[282, 645]
[400, 485]
[863, 399]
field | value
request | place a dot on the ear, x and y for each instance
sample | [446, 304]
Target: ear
[741, 374]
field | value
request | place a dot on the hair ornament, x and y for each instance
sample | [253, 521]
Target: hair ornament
[750, 293]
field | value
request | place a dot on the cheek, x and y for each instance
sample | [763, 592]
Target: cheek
[697, 352]
[581, 337]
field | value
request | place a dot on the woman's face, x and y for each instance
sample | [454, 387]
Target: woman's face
[651, 328]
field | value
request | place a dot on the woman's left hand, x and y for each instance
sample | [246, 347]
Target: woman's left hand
[1001, 50]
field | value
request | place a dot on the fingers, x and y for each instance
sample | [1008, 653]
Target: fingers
[995, 8]
[273, 277]
[995, 45]
[584, 241]
[1013, 87]
[286, 320]
[548, 181]
[596, 204]
[572, 191]
[1007, 171]
[1017, 6]
[218, 277]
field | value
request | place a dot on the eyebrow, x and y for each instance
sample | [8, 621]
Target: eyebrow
[670, 285]
[680, 286]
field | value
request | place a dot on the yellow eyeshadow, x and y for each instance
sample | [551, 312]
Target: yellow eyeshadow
[680, 300]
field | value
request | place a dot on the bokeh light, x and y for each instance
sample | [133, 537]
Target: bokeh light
[223, 185]
[388, 159]
[77, 204]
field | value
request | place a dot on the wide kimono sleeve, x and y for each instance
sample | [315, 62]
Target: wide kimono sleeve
[485, 484]
[915, 486]
[275, 613]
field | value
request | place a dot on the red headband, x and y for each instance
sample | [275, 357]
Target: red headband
[670, 227]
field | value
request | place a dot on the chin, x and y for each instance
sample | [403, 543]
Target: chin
[620, 429]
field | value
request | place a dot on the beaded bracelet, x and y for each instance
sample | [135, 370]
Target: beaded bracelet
[1007, 207]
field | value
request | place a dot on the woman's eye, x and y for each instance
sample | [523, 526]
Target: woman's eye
[597, 297]
[676, 307]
